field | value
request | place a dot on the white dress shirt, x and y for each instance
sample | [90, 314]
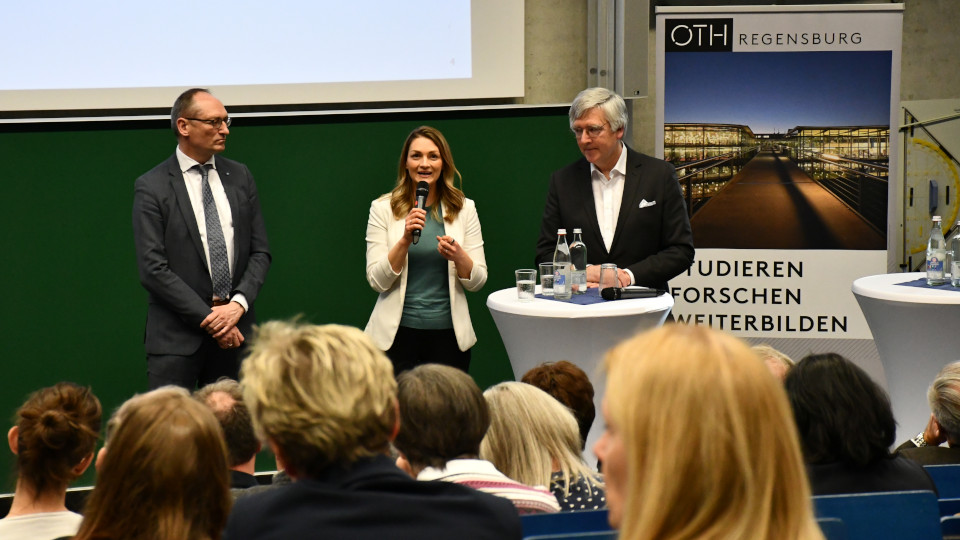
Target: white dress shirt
[607, 196]
[193, 180]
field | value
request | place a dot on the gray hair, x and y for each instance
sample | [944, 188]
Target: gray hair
[944, 398]
[612, 105]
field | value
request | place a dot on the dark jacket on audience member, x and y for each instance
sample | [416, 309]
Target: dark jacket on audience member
[930, 455]
[242, 480]
[893, 474]
[372, 499]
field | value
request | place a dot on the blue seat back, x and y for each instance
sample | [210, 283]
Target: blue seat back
[565, 523]
[833, 528]
[950, 526]
[904, 515]
[949, 507]
[608, 535]
[946, 478]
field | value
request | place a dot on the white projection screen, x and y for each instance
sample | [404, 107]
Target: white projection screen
[83, 55]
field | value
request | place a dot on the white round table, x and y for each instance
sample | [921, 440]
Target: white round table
[917, 332]
[548, 330]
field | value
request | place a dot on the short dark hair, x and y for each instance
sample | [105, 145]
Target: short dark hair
[569, 385]
[443, 415]
[234, 418]
[842, 415]
[183, 105]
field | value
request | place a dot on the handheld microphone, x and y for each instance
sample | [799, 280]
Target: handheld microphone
[617, 293]
[423, 191]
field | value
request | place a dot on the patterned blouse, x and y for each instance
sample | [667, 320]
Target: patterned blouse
[583, 495]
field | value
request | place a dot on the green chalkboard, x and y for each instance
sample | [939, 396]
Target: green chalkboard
[73, 309]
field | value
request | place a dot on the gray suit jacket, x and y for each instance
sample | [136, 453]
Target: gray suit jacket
[171, 261]
[653, 238]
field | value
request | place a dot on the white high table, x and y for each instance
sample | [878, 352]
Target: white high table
[548, 330]
[917, 332]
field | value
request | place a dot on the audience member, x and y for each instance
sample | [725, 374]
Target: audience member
[225, 399]
[944, 424]
[699, 442]
[162, 474]
[777, 362]
[846, 428]
[325, 400]
[569, 385]
[534, 439]
[443, 418]
[54, 439]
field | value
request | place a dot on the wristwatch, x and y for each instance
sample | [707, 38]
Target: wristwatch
[919, 440]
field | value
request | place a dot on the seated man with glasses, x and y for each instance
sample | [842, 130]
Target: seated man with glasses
[202, 250]
[628, 205]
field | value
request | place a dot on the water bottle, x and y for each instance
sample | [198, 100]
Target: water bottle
[562, 289]
[936, 253]
[578, 260]
[953, 255]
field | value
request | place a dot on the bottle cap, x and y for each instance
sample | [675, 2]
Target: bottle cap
[936, 218]
[561, 231]
[576, 230]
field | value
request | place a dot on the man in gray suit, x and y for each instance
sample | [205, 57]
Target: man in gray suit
[202, 250]
[629, 205]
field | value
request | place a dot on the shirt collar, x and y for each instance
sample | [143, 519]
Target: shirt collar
[186, 162]
[620, 167]
[459, 466]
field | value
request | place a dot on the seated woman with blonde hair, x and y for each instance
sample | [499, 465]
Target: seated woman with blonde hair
[700, 442]
[163, 474]
[535, 439]
[54, 439]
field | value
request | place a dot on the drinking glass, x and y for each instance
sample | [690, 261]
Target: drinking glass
[526, 284]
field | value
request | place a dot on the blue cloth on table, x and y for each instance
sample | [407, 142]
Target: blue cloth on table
[592, 296]
[922, 283]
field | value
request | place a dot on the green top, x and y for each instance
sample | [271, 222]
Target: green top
[426, 305]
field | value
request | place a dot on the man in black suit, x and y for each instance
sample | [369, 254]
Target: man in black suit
[629, 205]
[944, 424]
[326, 401]
[202, 250]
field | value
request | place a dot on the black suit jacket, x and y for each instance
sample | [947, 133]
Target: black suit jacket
[930, 455]
[654, 242]
[372, 500]
[171, 261]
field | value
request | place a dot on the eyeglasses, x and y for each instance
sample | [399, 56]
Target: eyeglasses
[215, 123]
[593, 131]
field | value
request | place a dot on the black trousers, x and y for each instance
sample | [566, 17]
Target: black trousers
[413, 347]
[197, 370]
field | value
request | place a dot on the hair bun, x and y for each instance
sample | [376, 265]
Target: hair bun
[55, 428]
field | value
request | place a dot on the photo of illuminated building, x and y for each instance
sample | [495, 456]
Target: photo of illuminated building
[773, 163]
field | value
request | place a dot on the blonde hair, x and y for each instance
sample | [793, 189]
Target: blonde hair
[530, 431]
[711, 448]
[781, 361]
[323, 394]
[164, 392]
[164, 475]
[403, 195]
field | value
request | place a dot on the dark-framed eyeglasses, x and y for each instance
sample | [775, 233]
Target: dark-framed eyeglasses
[592, 131]
[215, 123]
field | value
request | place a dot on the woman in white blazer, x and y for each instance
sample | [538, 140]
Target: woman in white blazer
[421, 315]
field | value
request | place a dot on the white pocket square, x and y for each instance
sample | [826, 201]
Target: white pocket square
[645, 203]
